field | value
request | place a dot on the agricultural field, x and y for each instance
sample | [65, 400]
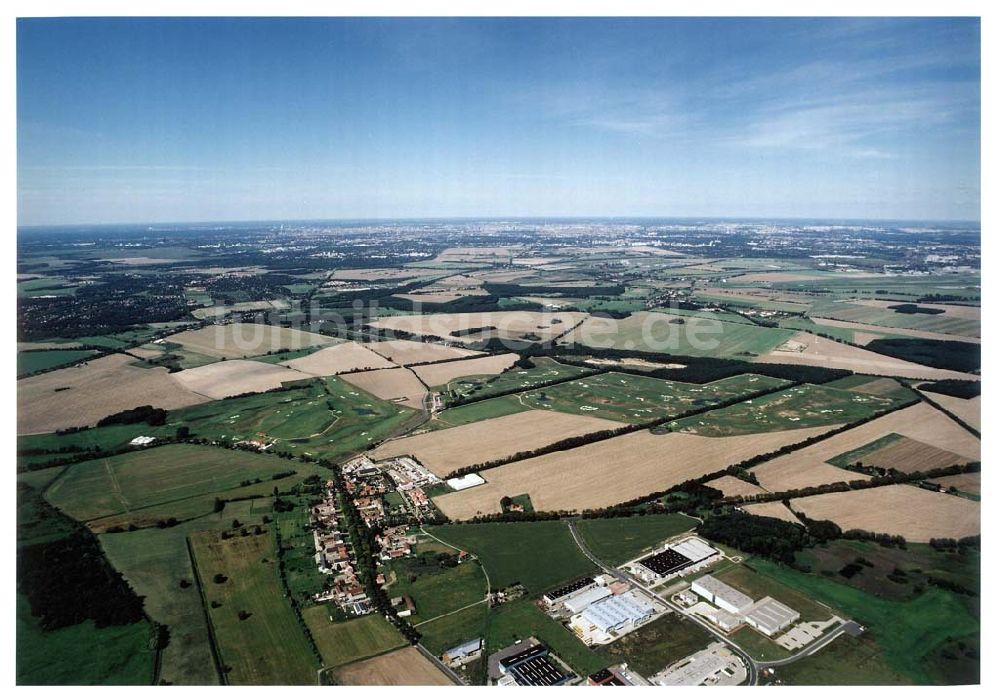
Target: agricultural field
[680, 335]
[34, 361]
[501, 547]
[157, 564]
[348, 641]
[578, 479]
[618, 540]
[404, 352]
[238, 377]
[943, 319]
[773, 510]
[796, 407]
[895, 452]
[472, 327]
[968, 410]
[731, 486]
[900, 510]
[637, 399]
[445, 450]
[81, 395]
[441, 634]
[402, 667]
[442, 374]
[805, 349]
[243, 340]
[477, 411]
[339, 358]
[810, 466]
[140, 479]
[259, 639]
[397, 385]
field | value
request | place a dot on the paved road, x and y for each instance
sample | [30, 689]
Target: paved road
[812, 648]
[748, 661]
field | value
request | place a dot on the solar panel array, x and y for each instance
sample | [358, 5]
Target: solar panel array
[667, 562]
[566, 589]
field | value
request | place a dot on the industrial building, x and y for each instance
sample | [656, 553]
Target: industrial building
[713, 666]
[530, 666]
[557, 595]
[464, 652]
[770, 616]
[603, 621]
[721, 594]
[465, 482]
[576, 603]
[683, 557]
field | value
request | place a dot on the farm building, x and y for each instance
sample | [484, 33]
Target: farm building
[770, 616]
[721, 594]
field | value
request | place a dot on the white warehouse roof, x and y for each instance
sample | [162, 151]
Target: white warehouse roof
[694, 549]
[770, 615]
[579, 601]
[465, 482]
[616, 611]
[718, 590]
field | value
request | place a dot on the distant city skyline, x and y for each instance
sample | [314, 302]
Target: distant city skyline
[161, 120]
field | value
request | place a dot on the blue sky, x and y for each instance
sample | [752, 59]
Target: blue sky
[123, 120]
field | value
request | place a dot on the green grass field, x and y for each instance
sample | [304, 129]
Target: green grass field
[446, 632]
[31, 361]
[616, 541]
[683, 336]
[298, 549]
[477, 412]
[106, 486]
[503, 549]
[756, 585]
[436, 591]
[82, 654]
[351, 640]
[268, 647]
[154, 561]
[847, 661]
[906, 632]
[325, 418]
[795, 408]
[657, 645]
[545, 370]
[629, 398]
[890, 318]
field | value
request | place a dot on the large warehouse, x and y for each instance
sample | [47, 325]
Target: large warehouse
[770, 616]
[721, 594]
[615, 614]
[682, 557]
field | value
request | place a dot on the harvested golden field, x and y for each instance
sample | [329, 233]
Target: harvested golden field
[968, 410]
[612, 471]
[340, 358]
[733, 487]
[820, 351]
[776, 277]
[227, 378]
[879, 386]
[444, 373]
[491, 255]
[242, 339]
[861, 328]
[972, 483]
[403, 667]
[148, 351]
[903, 510]
[81, 395]
[514, 324]
[439, 295]
[446, 450]
[909, 455]
[393, 384]
[405, 352]
[964, 312]
[774, 510]
[379, 274]
[808, 467]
